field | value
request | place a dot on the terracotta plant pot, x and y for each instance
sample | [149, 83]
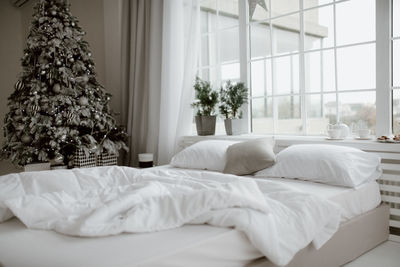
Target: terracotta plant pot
[205, 125]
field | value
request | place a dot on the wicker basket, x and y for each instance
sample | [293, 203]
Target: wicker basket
[106, 159]
[81, 161]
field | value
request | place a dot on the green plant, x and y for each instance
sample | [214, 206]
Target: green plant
[206, 98]
[232, 96]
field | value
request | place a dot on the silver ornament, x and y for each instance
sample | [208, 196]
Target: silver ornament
[56, 88]
[26, 139]
[34, 109]
[83, 101]
[19, 85]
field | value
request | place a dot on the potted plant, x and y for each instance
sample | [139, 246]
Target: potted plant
[205, 103]
[232, 97]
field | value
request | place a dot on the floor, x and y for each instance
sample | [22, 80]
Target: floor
[386, 254]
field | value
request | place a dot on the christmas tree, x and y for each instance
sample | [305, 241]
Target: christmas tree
[58, 106]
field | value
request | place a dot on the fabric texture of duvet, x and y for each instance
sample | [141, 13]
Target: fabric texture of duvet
[278, 220]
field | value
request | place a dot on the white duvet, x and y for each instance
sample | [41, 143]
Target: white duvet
[278, 220]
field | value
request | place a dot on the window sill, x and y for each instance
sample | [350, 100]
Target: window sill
[287, 140]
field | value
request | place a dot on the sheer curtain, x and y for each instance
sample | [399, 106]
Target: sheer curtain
[159, 52]
[180, 43]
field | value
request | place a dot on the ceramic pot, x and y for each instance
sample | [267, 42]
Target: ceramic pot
[205, 125]
[233, 126]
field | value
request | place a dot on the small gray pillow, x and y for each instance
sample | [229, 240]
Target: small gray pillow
[250, 156]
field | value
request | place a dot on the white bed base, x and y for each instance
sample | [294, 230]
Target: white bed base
[354, 238]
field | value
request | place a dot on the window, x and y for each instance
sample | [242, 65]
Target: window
[219, 52]
[312, 64]
[307, 63]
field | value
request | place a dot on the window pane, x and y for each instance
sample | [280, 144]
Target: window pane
[208, 50]
[261, 82]
[208, 15]
[396, 111]
[355, 21]
[396, 63]
[210, 74]
[321, 110]
[230, 72]
[228, 13]
[286, 74]
[356, 107]
[286, 35]
[319, 71]
[280, 7]
[396, 18]
[260, 39]
[312, 3]
[229, 43]
[318, 28]
[289, 120]
[262, 115]
[356, 67]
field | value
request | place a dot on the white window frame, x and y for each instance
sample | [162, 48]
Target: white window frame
[383, 67]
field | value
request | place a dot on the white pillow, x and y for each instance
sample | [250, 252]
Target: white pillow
[204, 155]
[329, 164]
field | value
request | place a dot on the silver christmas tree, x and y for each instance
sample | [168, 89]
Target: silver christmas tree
[58, 104]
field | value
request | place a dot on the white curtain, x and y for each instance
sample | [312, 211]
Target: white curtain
[159, 52]
[180, 43]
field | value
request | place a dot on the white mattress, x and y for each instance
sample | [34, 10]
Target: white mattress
[191, 245]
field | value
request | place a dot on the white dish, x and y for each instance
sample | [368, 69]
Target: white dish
[362, 138]
[388, 141]
[328, 138]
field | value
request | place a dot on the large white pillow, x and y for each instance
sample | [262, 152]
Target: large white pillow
[204, 155]
[329, 164]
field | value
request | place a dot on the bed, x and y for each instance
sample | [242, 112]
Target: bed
[364, 224]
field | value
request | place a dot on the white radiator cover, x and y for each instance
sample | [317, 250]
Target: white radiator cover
[390, 154]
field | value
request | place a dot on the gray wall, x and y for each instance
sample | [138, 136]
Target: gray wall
[102, 22]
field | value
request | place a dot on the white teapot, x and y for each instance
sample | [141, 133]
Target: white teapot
[343, 129]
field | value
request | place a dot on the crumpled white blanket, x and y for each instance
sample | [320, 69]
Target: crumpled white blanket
[278, 220]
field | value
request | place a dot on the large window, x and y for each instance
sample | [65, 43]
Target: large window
[308, 62]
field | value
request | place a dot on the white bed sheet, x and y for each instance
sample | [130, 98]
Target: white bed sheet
[353, 201]
[191, 245]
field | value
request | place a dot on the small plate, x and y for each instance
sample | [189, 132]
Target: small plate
[328, 138]
[387, 141]
[362, 138]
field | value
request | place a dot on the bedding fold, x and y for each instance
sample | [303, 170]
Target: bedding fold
[278, 220]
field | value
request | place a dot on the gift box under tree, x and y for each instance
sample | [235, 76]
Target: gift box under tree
[90, 159]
